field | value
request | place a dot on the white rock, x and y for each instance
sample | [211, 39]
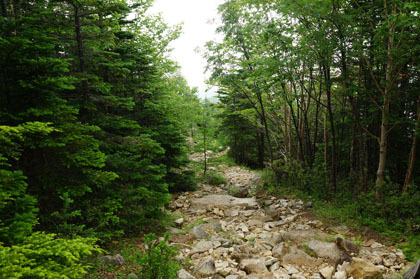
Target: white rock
[327, 272]
[291, 269]
[340, 275]
[183, 274]
[376, 245]
[243, 227]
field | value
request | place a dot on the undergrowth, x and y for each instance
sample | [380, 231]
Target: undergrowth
[396, 216]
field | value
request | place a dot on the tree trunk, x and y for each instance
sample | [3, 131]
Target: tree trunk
[327, 76]
[80, 50]
[412, 156]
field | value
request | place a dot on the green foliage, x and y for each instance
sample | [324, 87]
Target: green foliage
[214, 178]
[45, 256]
[158, 260]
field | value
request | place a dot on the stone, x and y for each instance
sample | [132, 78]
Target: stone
[301, 236]
[205, 269]
[274, 239]
[279, 250]
[413, 272]
[340, 229]
[325, 249]
[362, 269]
[297, 276]
[113, 260]
[243, 227]
[340, 275]
[179, 221]
[327, 272]
[281, 274]
[173, 230]
[275, 266]
[183, 274]
[223, 202]
[389, 260]
[132, 275]
[232, 277]
[255, 223]
[299, 258]
[253, 266]
[270, 261]
[347, 246]
[201, 247]
[376, 245]
[198, 233]
[291, 269]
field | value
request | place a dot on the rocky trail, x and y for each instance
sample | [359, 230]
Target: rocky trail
[237, 236]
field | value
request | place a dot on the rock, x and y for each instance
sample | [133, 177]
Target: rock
[274, 239]
[201, 247]
[413, 272]
[327, 272]
[390, 259]
[255, 223]
[340, 275]
[325, 249]
[179, 221]
[362, 269]
[198, 233]
[205, 269]
[232, 277]
[376, 245]
[281, 274]
[340, 229]
[301, 236]
[222, 202]
[132, 275]
[297, 257]
[291, 269]
[279, 250]
[297, 276]
[347, 246]
[253, 266]
[113, 260]
[183, 274]
[173, 230]
[243, 227]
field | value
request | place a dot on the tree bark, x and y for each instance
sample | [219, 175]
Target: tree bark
[412, 156]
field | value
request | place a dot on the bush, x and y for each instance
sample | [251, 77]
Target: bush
[215, 179]
[44, 256]
[158, 260]
[181, 182]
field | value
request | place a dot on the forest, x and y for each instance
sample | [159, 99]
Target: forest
[322, 97]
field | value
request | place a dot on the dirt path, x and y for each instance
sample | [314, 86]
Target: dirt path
[237, 236]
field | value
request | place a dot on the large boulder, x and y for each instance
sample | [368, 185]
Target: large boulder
[362, 269]
[301, 236]
[205, 269]
[324, 249]
[297, 257]
[201, 247]
[113, 260]
[251, 266]
[183, 274]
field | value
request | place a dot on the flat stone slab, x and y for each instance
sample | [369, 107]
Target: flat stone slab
[222, 201]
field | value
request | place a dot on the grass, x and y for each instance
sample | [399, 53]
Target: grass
[309, 251]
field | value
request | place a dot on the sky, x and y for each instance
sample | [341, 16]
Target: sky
[199, 18]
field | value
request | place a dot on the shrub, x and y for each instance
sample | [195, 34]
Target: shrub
[44, 256]
[158, 260]
[215, 179]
